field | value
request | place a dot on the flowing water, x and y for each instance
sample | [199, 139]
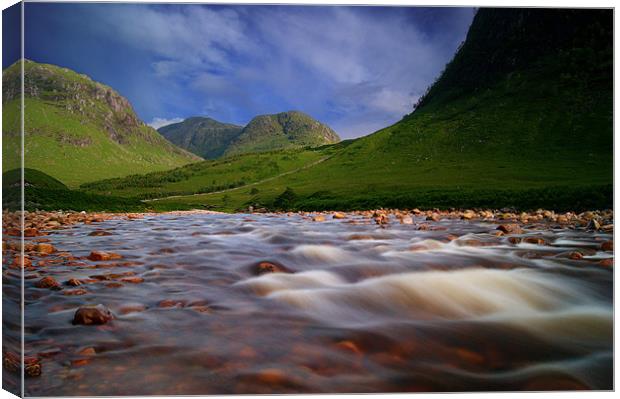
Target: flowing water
[365, 309]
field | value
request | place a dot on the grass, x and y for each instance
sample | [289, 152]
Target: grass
[68, 132]
[210, 176]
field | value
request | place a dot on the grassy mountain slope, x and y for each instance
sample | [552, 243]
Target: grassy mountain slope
[522, 117]
[291, 129]
[78, 130]
[204, 137]
[210, 176]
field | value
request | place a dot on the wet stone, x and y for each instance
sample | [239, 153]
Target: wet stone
[270, 267]
[92, 315]
[510, 228]
[48, 282]
[74, 282]
[607, 246]
[45, 248]
[97, 256]
[98, 233]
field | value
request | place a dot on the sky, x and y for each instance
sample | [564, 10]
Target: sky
[358, 69]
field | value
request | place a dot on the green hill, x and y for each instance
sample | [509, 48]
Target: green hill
[522, 116]
[78, 130]
[204, 137]
[214, 175]
[291, 129]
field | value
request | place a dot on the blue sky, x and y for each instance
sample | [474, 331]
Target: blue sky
[357, 69]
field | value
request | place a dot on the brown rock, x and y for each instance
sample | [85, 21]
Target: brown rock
[133, 280]
[32, 366]
[11, 361]
[433, 217]
[468, 214]
[98, 233]
[47, 282]
[535, 240]
[74, 282]
[318, 218]
[575, 255]
[269, 267]
[593, 225]
[92, 315]
[97, 256]
[89, 351]
[31, 232]
[339, 215]
[514, 240]
[17, 261]
[607, 246]
[14, 232]
[609, 262]
[45, 248]
[510, 228]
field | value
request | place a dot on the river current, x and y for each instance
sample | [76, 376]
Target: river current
[363, 308]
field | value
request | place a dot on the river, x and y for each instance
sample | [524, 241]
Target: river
[359, 308]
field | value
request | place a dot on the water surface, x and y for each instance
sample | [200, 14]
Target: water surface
[365, 309]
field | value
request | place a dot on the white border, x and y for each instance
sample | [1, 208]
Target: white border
[477, 3]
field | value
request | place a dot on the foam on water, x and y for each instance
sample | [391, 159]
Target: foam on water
[541, 302]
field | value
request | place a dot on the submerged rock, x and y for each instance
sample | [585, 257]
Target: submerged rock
[510, 228]
[47, 282]
[97, 256]
[45, 248]
[269, 267]
[607, 246]
[92, 315]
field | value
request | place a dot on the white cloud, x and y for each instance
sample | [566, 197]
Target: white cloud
[340, 64]
[156, 123]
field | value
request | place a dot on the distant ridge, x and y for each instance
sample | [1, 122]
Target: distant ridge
[202, 136]
[212, 139]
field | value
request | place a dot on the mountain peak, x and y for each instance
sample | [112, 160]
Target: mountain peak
[202, 135]
[291, 129]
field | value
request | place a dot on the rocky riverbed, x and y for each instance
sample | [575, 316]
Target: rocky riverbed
[373, 301]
